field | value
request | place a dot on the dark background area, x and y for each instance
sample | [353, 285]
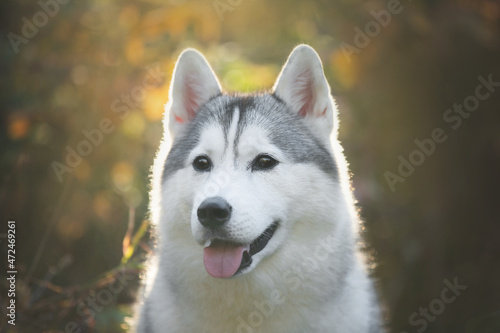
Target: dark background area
[79, 234]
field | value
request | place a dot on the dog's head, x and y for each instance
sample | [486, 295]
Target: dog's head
[244, 171]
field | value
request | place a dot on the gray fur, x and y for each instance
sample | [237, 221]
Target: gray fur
[288, 131]
[308, 278]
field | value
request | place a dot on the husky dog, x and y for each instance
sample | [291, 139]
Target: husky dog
[252, 205]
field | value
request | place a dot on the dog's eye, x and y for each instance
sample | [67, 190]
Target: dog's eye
[202, 163]
[263, 162]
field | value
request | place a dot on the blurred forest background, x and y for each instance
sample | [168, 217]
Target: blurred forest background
[82, 224]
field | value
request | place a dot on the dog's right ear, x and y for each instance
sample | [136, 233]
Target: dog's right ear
[193, 84]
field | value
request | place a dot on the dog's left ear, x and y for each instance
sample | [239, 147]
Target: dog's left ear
[303, 87]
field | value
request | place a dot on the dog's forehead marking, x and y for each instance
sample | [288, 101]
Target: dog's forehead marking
[230, 151]
[216, 138]
[211, 142]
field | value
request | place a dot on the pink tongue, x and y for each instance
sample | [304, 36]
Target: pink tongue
[222, 259]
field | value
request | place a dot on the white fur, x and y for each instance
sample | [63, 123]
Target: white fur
[308, 278]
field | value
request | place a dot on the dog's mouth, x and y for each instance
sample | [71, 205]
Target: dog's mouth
[224, 259]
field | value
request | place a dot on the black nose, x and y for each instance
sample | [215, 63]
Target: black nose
[214, 212]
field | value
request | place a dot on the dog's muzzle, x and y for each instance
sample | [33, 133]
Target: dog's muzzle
[224, 258]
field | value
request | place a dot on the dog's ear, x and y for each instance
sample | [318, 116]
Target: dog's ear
[193, 84]
[303, 87]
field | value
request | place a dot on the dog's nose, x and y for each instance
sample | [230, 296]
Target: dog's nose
[214, 212]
